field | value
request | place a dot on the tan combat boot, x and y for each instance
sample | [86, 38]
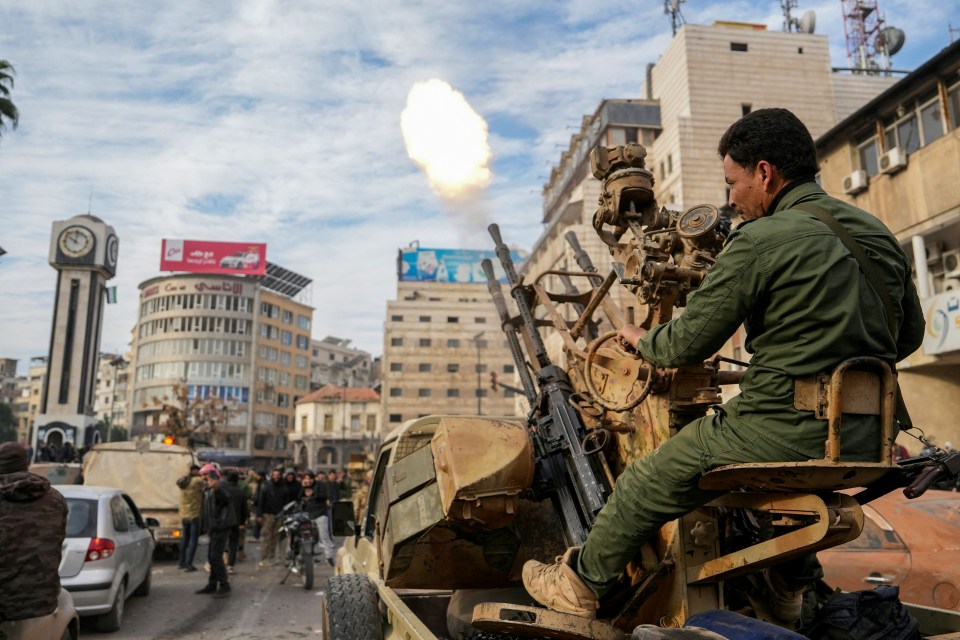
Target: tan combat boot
[559, 587]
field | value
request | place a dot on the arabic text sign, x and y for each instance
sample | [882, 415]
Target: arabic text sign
[943, 323]
[451, 265]
[201, 256]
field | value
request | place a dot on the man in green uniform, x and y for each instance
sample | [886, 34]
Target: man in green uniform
[806, 306]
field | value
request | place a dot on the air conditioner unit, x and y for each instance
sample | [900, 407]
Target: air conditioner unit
[855, 182]
[951, 263]
[893, 160]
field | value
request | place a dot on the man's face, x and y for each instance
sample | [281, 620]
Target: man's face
[746, 189]
[212, 482]
[307, 481]
[331, 476]
[291, 477]
[275, 475]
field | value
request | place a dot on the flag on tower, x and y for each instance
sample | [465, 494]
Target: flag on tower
[111, 295]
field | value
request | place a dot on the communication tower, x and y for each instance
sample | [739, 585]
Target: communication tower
[672, 8]
[870, 43]
[805, 24]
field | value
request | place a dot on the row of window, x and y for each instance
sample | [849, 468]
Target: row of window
[217, 301]
[272, 354]
[450, 319]
[397, 392]
[452, 343]
[192, 370]
[195, 324]
[276, 398]
[281, 378]
[194, 346]
[452, 367]
[915, 125]
[285, 337]
[274, 312]
[356, 420]
[266, 420]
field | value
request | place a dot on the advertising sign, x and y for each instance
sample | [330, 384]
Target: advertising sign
[942, 312]
[201, 256]
[416, 264]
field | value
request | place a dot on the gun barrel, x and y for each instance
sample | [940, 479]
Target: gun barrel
[496, 292]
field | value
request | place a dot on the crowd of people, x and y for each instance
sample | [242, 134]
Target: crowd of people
[224, 506]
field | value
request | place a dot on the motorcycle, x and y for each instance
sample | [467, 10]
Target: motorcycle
[302, 533]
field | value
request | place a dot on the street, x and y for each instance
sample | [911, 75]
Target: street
[258, 607]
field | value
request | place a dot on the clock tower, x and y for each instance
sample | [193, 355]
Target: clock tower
[83, 250]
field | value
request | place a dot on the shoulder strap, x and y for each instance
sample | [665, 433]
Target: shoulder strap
[873, 276]
[870, 270]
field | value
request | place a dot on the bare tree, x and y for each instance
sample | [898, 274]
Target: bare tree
[8, 111]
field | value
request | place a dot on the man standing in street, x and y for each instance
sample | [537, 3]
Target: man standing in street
[807, 302]
[273, 496]
[216, 518]
[238, 502]
[33, 524]
[191, 491]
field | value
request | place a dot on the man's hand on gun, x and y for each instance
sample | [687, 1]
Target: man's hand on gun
[628, 335]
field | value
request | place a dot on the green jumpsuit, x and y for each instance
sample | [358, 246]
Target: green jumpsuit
[806, 306]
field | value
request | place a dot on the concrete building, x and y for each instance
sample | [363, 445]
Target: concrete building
[334, 361]
[442, 340]
[31, 395]
[898, 157]
[334, 422]
[11, 386]
[111, 396]
[233, 351]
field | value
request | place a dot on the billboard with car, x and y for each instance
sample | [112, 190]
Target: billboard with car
[202, 256]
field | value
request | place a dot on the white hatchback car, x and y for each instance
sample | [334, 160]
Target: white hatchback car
[107, 554]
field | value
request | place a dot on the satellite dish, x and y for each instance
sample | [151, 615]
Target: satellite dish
[893, 38]
[808, 21]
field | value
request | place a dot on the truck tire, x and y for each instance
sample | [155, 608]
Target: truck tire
[351, 609]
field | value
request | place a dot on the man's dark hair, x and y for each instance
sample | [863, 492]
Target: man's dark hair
[194, 467]
[233, 477]
[774, 135]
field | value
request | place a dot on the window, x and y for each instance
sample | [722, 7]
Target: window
[423, 393]
[738, 46]
[481, 393]
[424, 367]
[480, 320]
[396, 318]
[286, 337]
[508, 368]
[453, 367]
[285, 358]
[481, 344]
[868, 156]
[508, 393]
[396, 392]
[453, 393]
[302, 362]
[424, 318]
[396, 417]
[904, 133]
[481, 368]
[355, 422]
[396, 342]
[745, 108]
[303, 342]
[669, 163]
[287, 317]
[424, 342]
[396, 366]
[953, 105]
[303, 322]
[328, 423]
[371, 423]
[453, 343]
[931, 119]
[453, 319]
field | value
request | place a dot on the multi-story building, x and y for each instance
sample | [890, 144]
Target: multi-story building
[232, 352]
[334, 361]
[10, 388]
[898, 157]
[442, 341]
[31, 396]
[333, 423]
[110, 397]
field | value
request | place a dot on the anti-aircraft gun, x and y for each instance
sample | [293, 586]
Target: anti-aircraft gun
[458, 503]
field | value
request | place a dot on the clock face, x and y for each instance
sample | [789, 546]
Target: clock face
[76, 241]
[112, 250]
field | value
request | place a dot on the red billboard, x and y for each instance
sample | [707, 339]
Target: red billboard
[201, 256]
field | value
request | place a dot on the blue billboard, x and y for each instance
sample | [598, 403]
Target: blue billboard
[462, 266]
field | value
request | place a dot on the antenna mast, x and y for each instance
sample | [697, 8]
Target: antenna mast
[672, 8]
[869, 42]
[789, 22]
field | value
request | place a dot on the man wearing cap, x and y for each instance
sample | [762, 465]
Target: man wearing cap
[217, 516]
[33, 523]
[191, 492]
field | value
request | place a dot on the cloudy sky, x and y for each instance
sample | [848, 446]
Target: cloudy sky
[280, 122]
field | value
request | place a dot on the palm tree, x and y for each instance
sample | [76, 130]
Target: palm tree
[8, 111]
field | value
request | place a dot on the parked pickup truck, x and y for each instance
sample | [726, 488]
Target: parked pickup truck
[148, 472]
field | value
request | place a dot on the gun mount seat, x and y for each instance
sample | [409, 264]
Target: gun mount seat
[809, 488]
